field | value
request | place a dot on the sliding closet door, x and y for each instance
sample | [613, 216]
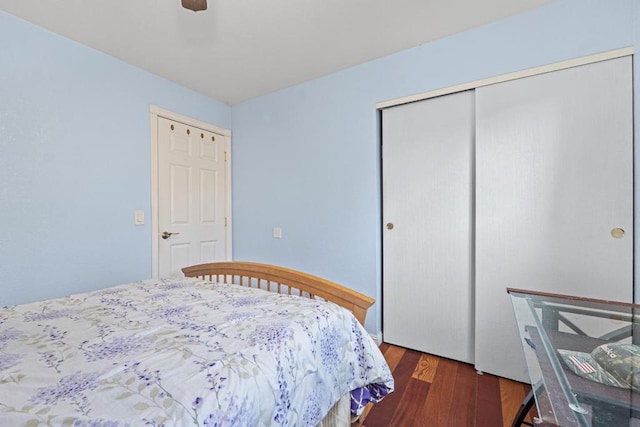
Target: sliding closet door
[554, 192]
[427, 210]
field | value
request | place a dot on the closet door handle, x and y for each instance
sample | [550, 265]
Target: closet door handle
[389, 226]
[617, 233]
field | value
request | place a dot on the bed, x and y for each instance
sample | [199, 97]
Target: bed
[232, 343]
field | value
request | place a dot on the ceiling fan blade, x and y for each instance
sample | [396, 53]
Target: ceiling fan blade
[195, 5]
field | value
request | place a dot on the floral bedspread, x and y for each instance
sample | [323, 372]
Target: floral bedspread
[183, 353]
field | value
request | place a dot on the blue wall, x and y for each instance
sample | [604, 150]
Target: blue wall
[75, 163]
[75, 156]
[307, 158]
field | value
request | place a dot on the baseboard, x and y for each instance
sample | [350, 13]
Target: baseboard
[377, 337]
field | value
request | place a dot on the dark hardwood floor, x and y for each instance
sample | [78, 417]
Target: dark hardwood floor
[437, 392]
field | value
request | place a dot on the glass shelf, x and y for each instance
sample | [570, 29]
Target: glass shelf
[575, 349]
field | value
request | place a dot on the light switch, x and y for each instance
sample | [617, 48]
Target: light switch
[277, 233]
[138, 217]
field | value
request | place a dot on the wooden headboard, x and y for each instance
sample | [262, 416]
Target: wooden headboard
[282, 280]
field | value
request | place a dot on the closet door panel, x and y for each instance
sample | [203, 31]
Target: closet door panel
[554, 177]
[427, 199]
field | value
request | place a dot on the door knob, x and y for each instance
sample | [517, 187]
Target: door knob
[165, 235]
[389, 226]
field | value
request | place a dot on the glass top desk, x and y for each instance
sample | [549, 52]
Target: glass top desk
[553, 328]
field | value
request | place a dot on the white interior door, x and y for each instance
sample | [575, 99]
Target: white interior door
[554, 177]
[191, 196]
[427, 241]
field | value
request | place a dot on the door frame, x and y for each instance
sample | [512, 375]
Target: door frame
[155, 113]
[584, 60]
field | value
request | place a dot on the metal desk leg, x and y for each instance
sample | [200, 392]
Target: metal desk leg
[526, 406]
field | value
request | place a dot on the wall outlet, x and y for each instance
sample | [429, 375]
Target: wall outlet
[277, 233]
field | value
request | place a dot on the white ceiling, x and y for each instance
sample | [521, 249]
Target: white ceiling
[240, 49]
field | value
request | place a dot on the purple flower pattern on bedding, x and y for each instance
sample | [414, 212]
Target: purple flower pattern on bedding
[47, 315]
[119, 346]
[9, 334]
[183, 352]
[70, 388]
[8, 361]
